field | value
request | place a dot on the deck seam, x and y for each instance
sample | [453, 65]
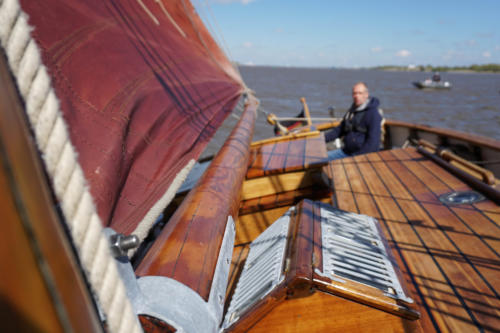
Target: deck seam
[349, 182]
[459, 296]
[455, 213]
[472, 207]
[396, 245]
[438, 265]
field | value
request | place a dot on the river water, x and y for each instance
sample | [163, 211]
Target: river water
[472, 105]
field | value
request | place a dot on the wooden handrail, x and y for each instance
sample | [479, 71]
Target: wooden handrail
[485, 175]
[187, 249]
[489, 191]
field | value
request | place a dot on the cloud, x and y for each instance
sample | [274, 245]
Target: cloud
[445, 22]
[248, 45]
[449, 54]
[376, 49]
[465, 44]
[486, 54]
[485, 34]
[403, 53]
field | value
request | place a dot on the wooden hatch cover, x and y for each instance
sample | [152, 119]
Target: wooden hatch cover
[318, 268]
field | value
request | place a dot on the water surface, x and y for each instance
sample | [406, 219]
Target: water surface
[472, 105]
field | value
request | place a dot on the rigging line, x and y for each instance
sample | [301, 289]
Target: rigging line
[265, 112]
[219, 37]
[171, 19]
[203, 15]
[195, 27]
[218, 30]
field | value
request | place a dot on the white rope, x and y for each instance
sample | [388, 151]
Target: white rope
[151, 216]
[70, 186]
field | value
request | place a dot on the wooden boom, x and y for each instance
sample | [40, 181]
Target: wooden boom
[187, 249]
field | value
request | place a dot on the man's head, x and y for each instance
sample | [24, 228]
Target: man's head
[359, 93]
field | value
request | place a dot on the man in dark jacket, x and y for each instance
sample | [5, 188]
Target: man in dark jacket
[360, 127]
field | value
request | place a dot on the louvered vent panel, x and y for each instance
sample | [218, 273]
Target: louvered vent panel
[263, 268]
[354, 250]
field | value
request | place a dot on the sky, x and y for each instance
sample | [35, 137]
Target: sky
[356, 33]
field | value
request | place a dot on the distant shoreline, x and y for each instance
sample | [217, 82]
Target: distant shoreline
[486, 69]
[489, 68]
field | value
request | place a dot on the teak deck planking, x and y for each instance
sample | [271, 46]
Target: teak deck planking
[448, 253]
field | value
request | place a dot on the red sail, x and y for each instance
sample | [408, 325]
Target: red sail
[142, 87]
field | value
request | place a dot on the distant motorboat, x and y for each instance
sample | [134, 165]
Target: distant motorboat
[431, 84]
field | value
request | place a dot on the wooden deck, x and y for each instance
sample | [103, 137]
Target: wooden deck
[449, 254]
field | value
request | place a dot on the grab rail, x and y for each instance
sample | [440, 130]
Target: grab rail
[485, 175]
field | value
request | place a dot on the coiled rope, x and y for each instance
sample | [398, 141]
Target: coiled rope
[60, 158]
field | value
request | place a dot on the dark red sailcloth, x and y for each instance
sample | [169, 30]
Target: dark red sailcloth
[142, 86]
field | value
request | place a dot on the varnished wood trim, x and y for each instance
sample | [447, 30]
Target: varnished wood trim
[306, 110]
[269, 185]
[283, 199]
[300, 251]
[323, 312]
[285, 138]
[473, 139]
[155, 325]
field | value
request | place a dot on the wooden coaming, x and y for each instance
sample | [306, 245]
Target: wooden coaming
[446, 133]
[286, 156]
[188, 247]
[280, 174]
[449, 254]
[284, 166]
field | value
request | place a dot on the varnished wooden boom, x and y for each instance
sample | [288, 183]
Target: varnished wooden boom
[188, 247]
